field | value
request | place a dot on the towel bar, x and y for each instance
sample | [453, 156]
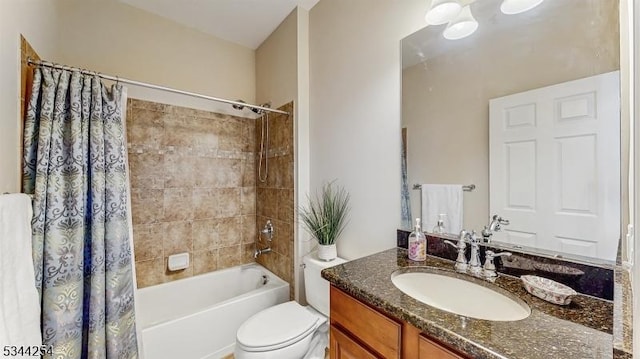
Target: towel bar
[467, 188]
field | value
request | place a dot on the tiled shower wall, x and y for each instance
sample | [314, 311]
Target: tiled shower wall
[193, 185]
[275, 196]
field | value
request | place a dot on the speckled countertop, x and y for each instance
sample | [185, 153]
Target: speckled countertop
[622, 315]
[581, 330]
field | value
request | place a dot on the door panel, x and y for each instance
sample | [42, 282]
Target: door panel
[555, 166]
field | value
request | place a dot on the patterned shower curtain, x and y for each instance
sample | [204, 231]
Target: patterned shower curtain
[75, 164]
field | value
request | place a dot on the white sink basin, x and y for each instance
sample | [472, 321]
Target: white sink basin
[460, 296]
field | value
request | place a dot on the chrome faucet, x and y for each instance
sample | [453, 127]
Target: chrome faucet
[489, 268]
[461, 246]
[258, 252]
[474, 266]
[268, 231]
[474, 259]
[494, 226]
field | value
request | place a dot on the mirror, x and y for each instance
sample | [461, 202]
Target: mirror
[447, 89]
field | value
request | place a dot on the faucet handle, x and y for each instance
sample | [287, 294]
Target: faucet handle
[460, 245]
[489, 268]
[461, 260]
[474, 239]
[500, 220]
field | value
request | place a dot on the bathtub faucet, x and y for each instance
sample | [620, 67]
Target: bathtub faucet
[261, 251]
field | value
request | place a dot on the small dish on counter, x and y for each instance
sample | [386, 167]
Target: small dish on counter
[547, 289]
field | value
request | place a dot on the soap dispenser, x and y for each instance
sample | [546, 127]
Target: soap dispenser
[439, 227]
[417, 243]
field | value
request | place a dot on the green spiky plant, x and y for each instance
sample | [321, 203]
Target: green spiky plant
[325, 216]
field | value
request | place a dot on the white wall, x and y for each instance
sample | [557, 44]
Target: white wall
[355, 111]
[116, 39]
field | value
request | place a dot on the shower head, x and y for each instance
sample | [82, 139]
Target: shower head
[238, 107]
[260, 111]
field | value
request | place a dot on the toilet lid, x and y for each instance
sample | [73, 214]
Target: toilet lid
[276, 327]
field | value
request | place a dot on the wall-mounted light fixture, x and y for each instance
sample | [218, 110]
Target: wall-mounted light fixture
[459, 19]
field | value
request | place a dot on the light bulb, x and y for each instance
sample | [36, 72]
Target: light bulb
[462, 26]
[511, 7]
[442, 11]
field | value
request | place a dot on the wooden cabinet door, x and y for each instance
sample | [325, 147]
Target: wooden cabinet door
[343, 347]
[374, 329]
[432, 350]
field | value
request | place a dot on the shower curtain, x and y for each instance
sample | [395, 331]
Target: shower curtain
[75, 165]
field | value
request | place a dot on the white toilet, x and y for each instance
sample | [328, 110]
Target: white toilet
[285, 331]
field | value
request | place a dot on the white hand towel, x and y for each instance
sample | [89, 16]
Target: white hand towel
[19, 301]
[438, 199]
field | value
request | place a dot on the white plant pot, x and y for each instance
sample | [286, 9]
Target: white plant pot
[327, 252]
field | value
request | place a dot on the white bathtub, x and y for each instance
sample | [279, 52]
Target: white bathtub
[198, 317]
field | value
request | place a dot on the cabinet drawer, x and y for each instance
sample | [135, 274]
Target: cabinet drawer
[374, 329]
[343, 347]
[429, 349]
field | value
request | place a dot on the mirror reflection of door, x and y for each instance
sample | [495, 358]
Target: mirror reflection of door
[447, 86]
[554, 166]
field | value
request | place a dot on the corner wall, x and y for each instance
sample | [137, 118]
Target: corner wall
[355, 111]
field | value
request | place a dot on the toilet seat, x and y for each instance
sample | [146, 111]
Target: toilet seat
[277, 327]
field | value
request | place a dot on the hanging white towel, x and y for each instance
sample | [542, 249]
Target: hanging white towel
[19, 301]
[438, 199]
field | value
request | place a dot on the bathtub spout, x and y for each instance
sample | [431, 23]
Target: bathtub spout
[261, 251]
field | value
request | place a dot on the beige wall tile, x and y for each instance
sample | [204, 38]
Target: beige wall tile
[146, 170]
[267, 202]
[148, 105]
[145, 127]
[150, 272]
[205, 234]
[147, 205]
[205, 261]
[249, 171]
[148, 241]
[247, 252]
[216, 203]
[248, 200]
[249, 229]
[218, 173]
[231, 134]
[285, 205]
[275, 197]
[178, 204]
[177, 238]
[229, 256]
[179, 171]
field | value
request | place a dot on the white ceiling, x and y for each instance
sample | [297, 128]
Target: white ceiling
[245, 22]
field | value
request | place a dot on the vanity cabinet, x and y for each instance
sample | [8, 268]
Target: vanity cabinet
[359, 331]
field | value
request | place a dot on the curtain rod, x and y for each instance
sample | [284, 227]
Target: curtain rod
[151, 86]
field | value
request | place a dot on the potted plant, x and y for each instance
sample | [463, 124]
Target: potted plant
[325, 217]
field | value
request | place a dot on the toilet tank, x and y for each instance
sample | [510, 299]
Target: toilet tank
[316, 287]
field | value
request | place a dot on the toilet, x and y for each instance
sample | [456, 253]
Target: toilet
[287, 331]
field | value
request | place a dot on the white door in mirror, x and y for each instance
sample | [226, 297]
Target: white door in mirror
[555, 166]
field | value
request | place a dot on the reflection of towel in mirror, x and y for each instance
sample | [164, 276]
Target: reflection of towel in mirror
[438, 199]
[20, 304]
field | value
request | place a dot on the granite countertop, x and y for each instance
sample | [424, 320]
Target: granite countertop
[622, 315]
[582, 329]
